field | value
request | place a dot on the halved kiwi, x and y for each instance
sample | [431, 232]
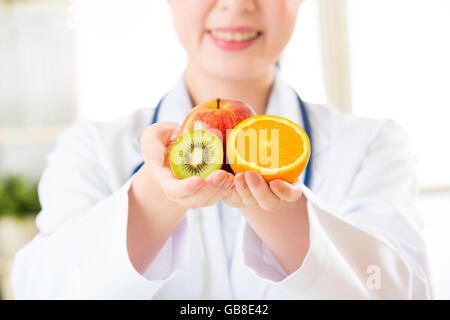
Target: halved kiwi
[196, 153]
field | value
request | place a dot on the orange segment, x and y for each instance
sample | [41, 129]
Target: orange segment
[274, 146]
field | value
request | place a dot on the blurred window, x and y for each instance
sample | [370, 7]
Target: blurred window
[37, 82]
[401, 69]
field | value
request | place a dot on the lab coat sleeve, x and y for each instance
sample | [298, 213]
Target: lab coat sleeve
[80, 251]
[368, 248]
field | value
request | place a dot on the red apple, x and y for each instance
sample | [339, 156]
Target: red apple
[218, 116]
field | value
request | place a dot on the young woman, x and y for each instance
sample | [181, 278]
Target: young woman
[349, 230]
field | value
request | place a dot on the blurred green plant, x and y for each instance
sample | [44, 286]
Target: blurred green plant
[18, 197]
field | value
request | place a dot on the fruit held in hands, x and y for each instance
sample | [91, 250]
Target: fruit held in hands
[217, 116]
[274, 146]
[196, 153]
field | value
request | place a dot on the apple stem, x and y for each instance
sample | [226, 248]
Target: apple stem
[218, 103]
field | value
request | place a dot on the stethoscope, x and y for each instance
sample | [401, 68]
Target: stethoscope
[306, 182]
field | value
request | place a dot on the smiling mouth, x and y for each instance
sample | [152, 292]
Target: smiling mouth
[235, 36]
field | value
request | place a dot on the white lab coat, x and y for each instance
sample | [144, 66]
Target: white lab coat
[364, 230]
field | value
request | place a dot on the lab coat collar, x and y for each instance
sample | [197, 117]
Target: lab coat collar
[320, 134]
[283, 101]
[176, 104]
[321, 143]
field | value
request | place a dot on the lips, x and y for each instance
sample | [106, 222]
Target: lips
[236, 38]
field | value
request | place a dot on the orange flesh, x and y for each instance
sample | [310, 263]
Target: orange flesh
[290, 143]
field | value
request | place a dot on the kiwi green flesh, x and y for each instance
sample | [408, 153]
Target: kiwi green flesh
[196, 153]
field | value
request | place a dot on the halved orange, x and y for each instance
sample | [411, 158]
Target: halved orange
[274, 146]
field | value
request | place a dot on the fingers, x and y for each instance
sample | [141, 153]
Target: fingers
[261, 191]
[233, 198]
[216, 184]
[175, 188]
[286, 191]
[194, 192]
[249, 190]
[244, 192]
[224, 190]
[156, 139]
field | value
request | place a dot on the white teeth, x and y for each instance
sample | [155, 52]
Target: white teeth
[234, 36]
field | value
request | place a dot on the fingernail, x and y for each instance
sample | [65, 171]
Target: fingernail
[240, 182]
[281, 186]
[218, 178]
[253, 178]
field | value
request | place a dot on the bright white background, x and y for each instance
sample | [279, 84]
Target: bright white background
[400, 58]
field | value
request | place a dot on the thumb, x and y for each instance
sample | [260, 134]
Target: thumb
[175, 135]
[155, 140]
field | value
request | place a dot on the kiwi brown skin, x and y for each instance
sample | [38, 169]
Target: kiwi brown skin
[211, 149]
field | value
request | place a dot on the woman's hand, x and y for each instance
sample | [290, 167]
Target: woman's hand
[158, 201]
[190, 193]
[285, 234]
[252, 191]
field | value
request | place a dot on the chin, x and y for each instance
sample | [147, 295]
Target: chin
[242, 70]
